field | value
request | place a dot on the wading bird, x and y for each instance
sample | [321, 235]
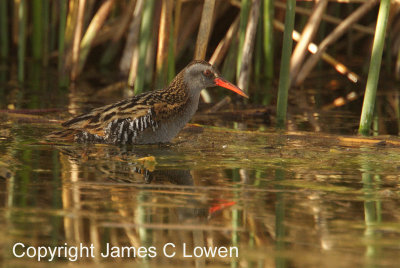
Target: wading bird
[151, 117]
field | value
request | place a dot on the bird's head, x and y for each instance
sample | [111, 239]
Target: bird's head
[200, 74]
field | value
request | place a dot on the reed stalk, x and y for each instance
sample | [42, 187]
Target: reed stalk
[258, 50]
[46, 32]
[244, 15]
[312, 48]
[336, 34]
[91, 32]
[164, 36]
[171, 54]
[203, 37]
[54, 21]
[77, 39]
[61, 42]
[71, 19]
[37, 29]
[144, 42]
[4, 42]
[248, 45]
[374, 68]
[131, 51]
[114, 48]
[21, 39]
[70, 27]
[230, 60]
[397, 67]
[328, 18]
[268, 17]
[204, 30]
[177, 20]
[223, 46]
[284, 76]
[61, 32]
[306, 37]
[258, 56]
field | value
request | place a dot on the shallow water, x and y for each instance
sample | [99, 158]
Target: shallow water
[280, 199]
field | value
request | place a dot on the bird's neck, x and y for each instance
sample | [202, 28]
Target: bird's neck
[179, 89]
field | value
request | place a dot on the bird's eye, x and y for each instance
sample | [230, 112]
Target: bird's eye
[207, 73]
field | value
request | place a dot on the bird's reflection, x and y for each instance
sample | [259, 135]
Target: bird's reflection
[135, 166]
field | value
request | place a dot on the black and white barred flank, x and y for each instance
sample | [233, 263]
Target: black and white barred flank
[122, 130]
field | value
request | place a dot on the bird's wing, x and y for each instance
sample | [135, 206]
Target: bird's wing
[96, 121]
[141, 112]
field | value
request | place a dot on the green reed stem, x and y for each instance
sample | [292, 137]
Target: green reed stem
[284, 76]
[46, 31]
[171, 54]
[374, 69]
[110, 53]
[3, 30]
[268, 17]
[54, 17]
[92, 30]
[244, 16]
[21, 39]
[61, 42]
[163, 43]
[37, 30]
[227, 71]
[258, 52]
[145, 36]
